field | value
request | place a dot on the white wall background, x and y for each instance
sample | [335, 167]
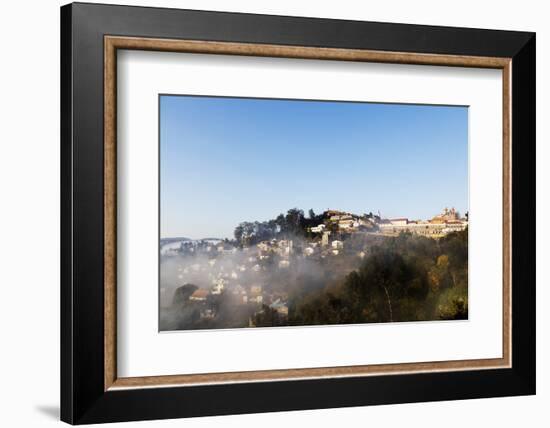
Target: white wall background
[29, 214]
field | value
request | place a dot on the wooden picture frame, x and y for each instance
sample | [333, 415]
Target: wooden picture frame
[91, 390]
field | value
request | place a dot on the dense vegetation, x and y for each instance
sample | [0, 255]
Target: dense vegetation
[292, 224]
[406, 278]
[397, 279]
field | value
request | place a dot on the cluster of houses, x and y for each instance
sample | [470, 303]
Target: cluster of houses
[344, 223]
[236, 273]
[440, 225]
[253, 295]
[235, 276]
[284, 248]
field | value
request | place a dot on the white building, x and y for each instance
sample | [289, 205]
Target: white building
[219, 285]
[399, 221]
[455, 226]
[284, 264]
[255, 299]
[285, 247]
[424, 228]
[308, 251]
[337, 245]
[256, 289]
[318, 229]
[207, 314]
[348, 224]
[280, 307]
[263, 246]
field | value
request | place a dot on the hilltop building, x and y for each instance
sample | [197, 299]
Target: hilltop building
[446, 222]
[318, 229]
[399, 221]
[448, 215]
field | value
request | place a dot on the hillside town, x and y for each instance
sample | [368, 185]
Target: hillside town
[249, 281]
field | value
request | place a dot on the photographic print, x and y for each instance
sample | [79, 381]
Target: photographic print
[283, 212]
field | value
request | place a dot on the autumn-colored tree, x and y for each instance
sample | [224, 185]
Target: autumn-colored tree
[403, 279]
[439, 274]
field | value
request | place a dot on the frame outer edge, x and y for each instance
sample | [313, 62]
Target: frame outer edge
[66, 218]
[524, 216]
[507, 177]
[82, 394]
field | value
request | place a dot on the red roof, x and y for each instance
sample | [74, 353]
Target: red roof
[200, 293]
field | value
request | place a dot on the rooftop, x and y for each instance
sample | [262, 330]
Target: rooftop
[200, 293]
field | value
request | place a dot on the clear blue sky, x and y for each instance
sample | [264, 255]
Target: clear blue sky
[228, 160]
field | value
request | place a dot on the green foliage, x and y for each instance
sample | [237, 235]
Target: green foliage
[453, 304]
[406, 278]
[293, 223]
[268, 317]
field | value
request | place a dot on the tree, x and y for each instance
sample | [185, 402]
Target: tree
[239, 233]
[392, 284]
[182, 294]
[453, 304]
[268, 317]
[439, 274]
[281, 223]
[294, 221]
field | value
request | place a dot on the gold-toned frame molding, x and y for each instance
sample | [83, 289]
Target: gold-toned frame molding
[113, 43]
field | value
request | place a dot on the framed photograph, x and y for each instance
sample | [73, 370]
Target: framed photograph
[266, 213]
